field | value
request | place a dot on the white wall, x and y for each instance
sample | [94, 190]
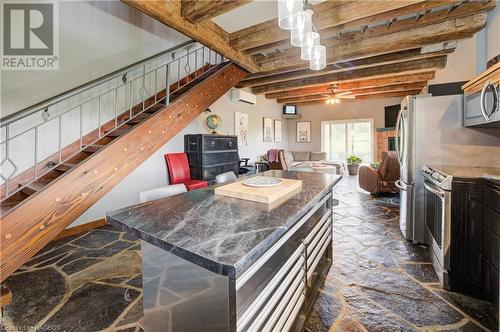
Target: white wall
[269, 108]
[365, 109]
[472, 54]
[492, 29]
[153, 172]
[95, 38]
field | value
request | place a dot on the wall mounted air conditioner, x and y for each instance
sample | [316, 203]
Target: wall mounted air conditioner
[243, 96]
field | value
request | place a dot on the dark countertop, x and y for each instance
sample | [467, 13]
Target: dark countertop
[225, 235]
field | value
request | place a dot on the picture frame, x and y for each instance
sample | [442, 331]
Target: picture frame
[241, 128]
[303, 133]
[278, 131]
[267, 130]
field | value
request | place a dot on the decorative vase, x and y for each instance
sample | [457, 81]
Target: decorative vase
[353, 169]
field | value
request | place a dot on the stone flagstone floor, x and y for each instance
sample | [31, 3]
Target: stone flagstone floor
[378, 281]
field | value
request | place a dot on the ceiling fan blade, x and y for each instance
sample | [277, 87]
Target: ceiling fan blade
[344, 93]
[346, 97]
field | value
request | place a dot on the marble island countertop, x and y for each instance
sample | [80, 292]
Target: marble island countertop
[225, 235]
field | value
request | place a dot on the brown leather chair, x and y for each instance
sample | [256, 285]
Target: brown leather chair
[382, 179]
[281, 163]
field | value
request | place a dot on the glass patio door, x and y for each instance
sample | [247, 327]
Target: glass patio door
[341, 139]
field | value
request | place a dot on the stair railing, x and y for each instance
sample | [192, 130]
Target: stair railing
[36, 140]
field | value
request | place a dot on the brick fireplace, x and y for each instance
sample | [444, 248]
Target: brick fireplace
[384, 136]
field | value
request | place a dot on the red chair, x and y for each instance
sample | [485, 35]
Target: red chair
[178, 169]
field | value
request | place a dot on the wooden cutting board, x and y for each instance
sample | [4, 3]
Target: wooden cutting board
[267, 195]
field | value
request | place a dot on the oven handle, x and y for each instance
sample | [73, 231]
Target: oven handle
[439, 193]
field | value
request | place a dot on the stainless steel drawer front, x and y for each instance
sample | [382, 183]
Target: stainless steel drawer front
[324, 219]
[276, 305]
[325, 227]
[274, 308]
[298, 262]
[313, 265]
[288, 312]
[294, 313]
[257, 265]
[291, 296]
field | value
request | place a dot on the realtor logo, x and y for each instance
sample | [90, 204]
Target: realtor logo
[30, 38]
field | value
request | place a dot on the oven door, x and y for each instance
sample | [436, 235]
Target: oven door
[438, 225]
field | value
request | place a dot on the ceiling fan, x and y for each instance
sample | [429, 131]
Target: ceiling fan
[335, 97]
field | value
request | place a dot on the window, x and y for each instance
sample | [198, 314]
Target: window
[340, 139]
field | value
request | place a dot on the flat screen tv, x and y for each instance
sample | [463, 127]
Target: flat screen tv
[290, 109]
[391, 115]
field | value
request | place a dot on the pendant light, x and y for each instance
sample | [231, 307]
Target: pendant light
[311, 40]
[287, 13]
[303, 26]
[318, 60]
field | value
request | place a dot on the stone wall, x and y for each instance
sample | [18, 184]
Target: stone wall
[382, 135]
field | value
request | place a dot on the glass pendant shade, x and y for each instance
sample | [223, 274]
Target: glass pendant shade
[311, 40]
[318, 60]
[303, 25]
[287, 13]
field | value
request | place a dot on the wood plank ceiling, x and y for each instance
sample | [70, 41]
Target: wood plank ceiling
[375, 48]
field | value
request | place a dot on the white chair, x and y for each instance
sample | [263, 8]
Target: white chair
[224, 177]
[157, 193]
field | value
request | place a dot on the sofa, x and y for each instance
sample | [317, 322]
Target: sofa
[383, 179]
[307, 158]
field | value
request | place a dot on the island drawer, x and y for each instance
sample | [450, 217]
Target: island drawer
[251, 282]
[262, 284]
[313, 258]
[270, 303]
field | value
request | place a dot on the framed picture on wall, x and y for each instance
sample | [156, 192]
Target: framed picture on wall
[241, 128]
[267, 130]
[303, 131]
[277, 131]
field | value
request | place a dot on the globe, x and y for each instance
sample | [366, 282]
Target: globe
[213, 122]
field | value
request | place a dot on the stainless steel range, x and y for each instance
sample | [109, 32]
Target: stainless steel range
[437, 207]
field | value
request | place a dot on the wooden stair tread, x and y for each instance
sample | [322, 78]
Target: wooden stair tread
[139, 118]
[154, 108]
[118, 131]
[64, 167]
[38, 185]
[93, 148]
[29, 190]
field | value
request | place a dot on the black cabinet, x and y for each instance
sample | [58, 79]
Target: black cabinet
[466, 241]
[210, 155]
[475, 238]
[491, 240]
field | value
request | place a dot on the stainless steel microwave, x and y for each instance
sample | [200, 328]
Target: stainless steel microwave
[481, 109]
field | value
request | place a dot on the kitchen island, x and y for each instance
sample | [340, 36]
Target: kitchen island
[213, 263]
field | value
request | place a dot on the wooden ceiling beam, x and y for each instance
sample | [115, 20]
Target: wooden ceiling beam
[355, 85]
[374, 90]
[364, 97]
[268, 35]
[396, 57]
[413, 66]
[269, 31]
[206, 32]
[197, 11]
[463, 10]
[458, 28]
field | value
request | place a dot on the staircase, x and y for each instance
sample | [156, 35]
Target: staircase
[43, 200]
